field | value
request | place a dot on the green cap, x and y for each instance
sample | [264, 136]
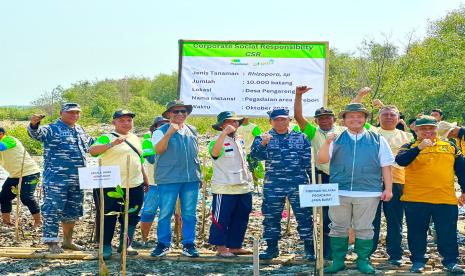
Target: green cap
[426, 121]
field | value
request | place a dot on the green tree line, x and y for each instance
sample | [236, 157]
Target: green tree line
[427, 73]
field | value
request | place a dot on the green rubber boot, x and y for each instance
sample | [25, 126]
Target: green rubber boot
[339, 247]
[363, 249]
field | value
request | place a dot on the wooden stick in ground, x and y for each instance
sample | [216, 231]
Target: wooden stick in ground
[102, 269]
[204, 199]
[126, 208]
[320, 255]
[314, 210]
[256, 259]
[18, 196]
[178, 222]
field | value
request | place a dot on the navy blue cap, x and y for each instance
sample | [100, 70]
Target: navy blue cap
[123, 112]
[70, 107]
[278, 112]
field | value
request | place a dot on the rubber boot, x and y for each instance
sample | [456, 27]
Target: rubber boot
[272, 250]
[339, 247]
[309, 254]
[363, 249]
[129, 250]
[106, 251]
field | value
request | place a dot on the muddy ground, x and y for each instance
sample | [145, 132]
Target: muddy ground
[290, 244]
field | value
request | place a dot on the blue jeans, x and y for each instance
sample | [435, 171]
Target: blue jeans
[151, 201]
[188, 193]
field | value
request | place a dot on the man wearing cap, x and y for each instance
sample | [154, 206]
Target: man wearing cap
[287, 160]
[429, 193]
[115, 149]
[231, 187]
[65, 147]
[452, 132]
[177, 173]
[12, 152]
[360, 161]
[151, 198]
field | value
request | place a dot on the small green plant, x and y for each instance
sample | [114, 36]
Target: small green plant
[118, 193]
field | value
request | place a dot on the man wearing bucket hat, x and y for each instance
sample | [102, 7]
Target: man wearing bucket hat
[231, 187]
[452, 132]
[389, 118]
[177, 173]
[317, 134]
[360, 161]
[429, 193]
[65, 147]
[287, 160]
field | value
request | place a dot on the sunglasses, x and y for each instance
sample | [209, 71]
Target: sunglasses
[183, 111]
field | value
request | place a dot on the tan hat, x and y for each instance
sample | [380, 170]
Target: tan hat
[444, 128]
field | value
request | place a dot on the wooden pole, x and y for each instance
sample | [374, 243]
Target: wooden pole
[102, 268]
[126, 207]
[314, 210]
[178, 222]
[320, 258]
[256, 258]
[204, 199]
[18, 196]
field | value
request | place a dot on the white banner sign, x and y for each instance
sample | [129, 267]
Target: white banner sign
[94, 177]
[251, 78]
[319, 195]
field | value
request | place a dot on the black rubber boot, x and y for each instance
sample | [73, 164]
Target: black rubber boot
[272, 250]
[309, 251]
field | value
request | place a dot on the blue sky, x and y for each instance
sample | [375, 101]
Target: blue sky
[48, 43]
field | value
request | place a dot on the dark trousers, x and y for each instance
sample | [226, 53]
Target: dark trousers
[28, 188]
[394, 214]
[136, 197]
[326, 221]
[418, 216]
[274, 197]
[230, 216]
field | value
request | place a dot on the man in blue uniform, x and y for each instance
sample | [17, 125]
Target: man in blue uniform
[287, 160]
[65, 148]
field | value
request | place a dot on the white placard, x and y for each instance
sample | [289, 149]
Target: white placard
[319, 195]
[93, 177]
[251, 78]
